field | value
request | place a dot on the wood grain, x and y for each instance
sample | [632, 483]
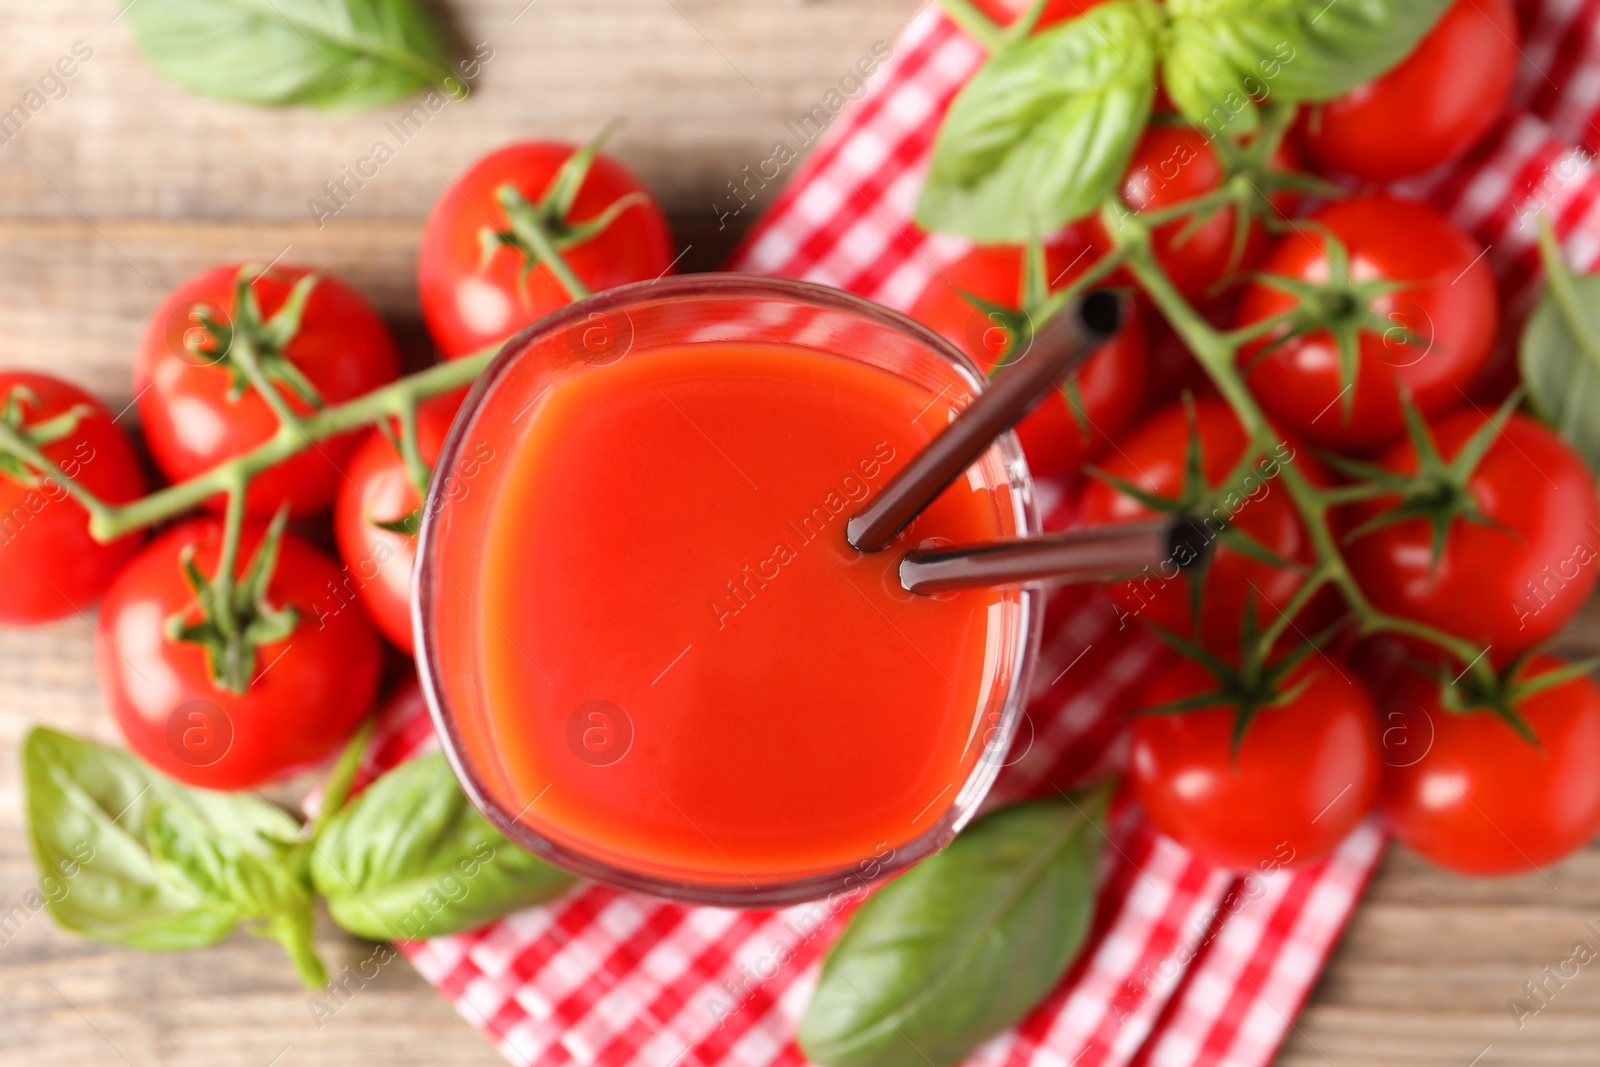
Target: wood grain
[125, 185]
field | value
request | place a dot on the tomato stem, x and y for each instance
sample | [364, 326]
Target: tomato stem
[417, 468]
[108, 522]
[529, 228]
[228, 559]
[981, 27]
[18, 443]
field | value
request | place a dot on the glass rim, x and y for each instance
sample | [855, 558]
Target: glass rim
[974, 788]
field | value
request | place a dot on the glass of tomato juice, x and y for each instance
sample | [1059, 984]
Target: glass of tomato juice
[650, 653]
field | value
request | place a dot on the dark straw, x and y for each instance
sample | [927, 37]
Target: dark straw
[1080, 556]
[1059, 346]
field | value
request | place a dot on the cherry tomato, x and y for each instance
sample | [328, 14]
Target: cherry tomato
[1173, 163]
[468, 305]
[1005, 12]
[1470, 794]
[1510, 580]
[194, 413]
[380, 490]
[1152, 457]
[1110, 385]
[1430, 338]
[1430, 108]
[308, 695]
[49, 565]
[1306, 773]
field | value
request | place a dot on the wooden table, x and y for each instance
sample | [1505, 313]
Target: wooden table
[124, 186]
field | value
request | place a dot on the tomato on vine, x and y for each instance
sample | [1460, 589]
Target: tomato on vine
[1431, 108]
[377, 515]
[226, 334]
[1174, 163]
[1486, 528]
[1472, 792]
[1248, 772]
[230, 685]
[976, 303]
[49, 565]
[1174, 462]
[479, 273]
[1374, 296]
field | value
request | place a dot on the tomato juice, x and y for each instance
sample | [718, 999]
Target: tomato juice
[665, 656]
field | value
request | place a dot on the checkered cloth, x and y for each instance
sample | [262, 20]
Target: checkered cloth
[1186, 964]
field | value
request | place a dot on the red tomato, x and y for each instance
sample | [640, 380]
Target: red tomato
[1507, 585]
[1173, 163]
[1451, 306]
[308, 695]
[1005, 12]
[1152, 456]
[1471, 794]
[378, 489]
[1111, 383]
[49, 565]
[469, 306]
[1305, 775]
[1430, 108]
[193, 423]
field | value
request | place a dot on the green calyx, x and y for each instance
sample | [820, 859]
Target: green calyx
[1345, 309]
[1255, 684]
[252, 348]
[537, 228]
[1501, 692]
[13, 411]
[1200, 503]
[1035, 304]
[235, 617]
[1439, 491]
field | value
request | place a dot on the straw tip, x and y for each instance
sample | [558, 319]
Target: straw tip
[1188, 542]
[1101, 312]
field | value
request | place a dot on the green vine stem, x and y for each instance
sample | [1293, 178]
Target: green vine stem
[107, 522]
[1217, 353]
[398, 400]
[222, 582]
[242, 352]
[981, 27]
[528, 229]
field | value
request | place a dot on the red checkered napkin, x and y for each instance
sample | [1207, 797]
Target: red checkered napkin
[1187, 964]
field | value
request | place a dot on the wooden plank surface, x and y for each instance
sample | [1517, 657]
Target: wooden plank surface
[119, 189]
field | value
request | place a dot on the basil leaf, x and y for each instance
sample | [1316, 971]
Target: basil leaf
[1226, 56]
[963, 946]
[274, 888]
[329, 53]
[1560, 351]
[411, 858]
[1042, 133]
[156, 864]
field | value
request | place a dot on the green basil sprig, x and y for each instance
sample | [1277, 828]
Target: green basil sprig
[962, 946]
[412, 858]
[1044, 130]
[154, 864]
[1222, 57]
[328, 53]
[1560, 351]
[169, 867]
[1042, 133]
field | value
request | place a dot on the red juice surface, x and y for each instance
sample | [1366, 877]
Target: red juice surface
[687, 670]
